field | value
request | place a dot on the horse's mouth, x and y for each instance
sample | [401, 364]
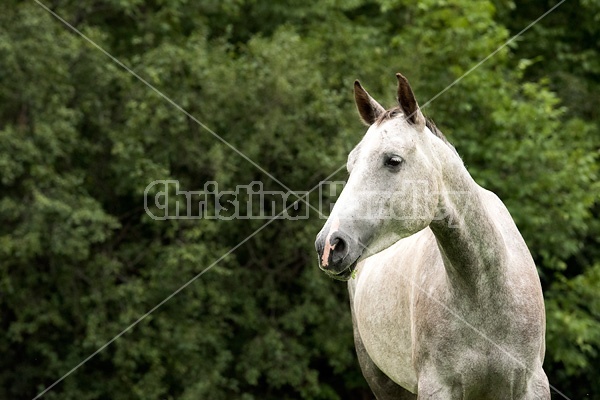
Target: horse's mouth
[346, 274]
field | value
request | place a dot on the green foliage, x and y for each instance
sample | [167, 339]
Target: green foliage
[81, 138]
[573, 307]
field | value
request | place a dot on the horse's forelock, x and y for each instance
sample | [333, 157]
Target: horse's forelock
[388, 114]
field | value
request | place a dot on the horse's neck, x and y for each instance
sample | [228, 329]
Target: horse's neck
[472, 247]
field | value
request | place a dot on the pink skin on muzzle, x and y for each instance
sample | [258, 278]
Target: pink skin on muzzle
[328, 247]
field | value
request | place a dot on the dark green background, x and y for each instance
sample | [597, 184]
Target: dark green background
[81, 138]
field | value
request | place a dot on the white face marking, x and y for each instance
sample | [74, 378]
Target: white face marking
[328, 247]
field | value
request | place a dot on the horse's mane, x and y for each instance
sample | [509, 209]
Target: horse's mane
[436, 131]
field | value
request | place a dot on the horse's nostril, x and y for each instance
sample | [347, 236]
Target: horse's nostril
[333, 250]
[334, 242]
[339, 247]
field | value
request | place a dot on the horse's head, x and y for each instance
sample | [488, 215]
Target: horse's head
[392, 190]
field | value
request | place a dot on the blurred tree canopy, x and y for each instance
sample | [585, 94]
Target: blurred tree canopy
[81, 138]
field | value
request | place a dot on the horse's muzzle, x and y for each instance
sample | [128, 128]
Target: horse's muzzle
[337, 254]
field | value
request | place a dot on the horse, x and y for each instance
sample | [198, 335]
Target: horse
[445, 297]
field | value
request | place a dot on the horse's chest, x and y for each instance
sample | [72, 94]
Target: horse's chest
[383, 318]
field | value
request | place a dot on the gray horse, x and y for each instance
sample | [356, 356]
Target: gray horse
[445, 297]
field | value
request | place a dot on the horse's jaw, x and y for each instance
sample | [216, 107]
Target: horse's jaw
[345, 274]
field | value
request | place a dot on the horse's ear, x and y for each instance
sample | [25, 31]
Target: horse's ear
[368, 109]
[408, 103]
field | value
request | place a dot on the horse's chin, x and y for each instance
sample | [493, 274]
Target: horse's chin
[346, 274]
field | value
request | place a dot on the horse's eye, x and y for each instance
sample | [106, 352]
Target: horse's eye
[393, 161]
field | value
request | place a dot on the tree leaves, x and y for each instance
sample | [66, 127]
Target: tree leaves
[81, 138]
